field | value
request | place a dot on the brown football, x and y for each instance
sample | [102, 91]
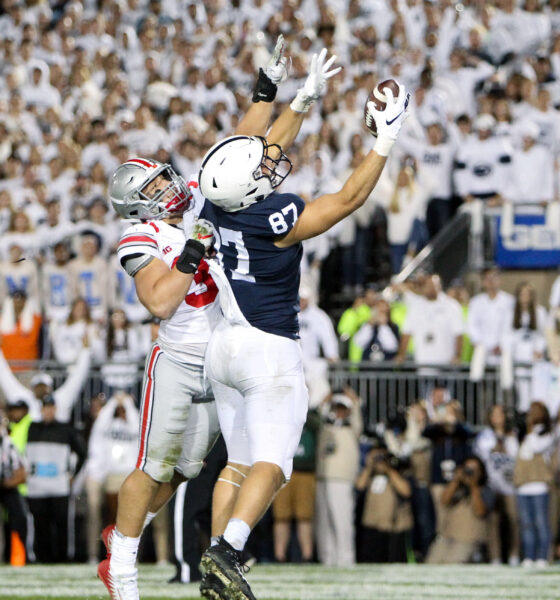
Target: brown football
[379, 100]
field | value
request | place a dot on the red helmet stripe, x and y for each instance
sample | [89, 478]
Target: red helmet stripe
[142, 162]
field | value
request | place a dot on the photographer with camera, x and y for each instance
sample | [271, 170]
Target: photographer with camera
[387, 519]
[469, 502]
[338, 461]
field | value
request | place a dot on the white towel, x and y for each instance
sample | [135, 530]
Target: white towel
[506, 369]
[230, 309]
[506, 225]
[478, 363]
[553, 218]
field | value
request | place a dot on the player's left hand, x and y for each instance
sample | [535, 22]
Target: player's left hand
[203, 232]
[319, 73]
[278, 66]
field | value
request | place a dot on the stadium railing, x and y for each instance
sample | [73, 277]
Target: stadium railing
[385, 387]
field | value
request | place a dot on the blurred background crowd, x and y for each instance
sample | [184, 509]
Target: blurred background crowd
[87, 84]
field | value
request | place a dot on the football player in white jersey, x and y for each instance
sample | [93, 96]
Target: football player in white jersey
[178, 416]
[253, 358]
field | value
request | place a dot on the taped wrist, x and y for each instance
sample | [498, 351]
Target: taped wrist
[190, 257]
[265, 89]
[383, 145]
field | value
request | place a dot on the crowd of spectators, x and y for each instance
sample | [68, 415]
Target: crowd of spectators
[88, 84]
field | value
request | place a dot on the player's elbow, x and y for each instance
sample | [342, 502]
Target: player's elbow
[161, 309]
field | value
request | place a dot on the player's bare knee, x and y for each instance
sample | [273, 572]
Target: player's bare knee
[234, 474]
[273, 471]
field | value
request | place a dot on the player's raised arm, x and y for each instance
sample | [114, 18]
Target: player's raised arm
[286, 127]
[321, 214]
[257, 118]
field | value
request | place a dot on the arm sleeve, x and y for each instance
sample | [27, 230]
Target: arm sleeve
[473, 328]
[132, 414]
[458, 324]
[12, 388]
[363, 335]
[97, 457]
[137, 248]
[329, 341]
[67, 394]
[349, 321]
[356, 421]
[482, 71]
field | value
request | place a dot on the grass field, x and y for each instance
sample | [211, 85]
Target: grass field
[364, 582]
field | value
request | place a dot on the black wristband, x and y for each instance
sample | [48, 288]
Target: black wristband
[191, 256]
[264, 90]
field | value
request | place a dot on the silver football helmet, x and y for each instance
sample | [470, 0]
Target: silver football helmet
[143, 188]
[240, 170]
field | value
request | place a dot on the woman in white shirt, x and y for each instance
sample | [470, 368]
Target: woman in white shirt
[497, 446]
[524, 343]
[533, 478]
[68, 337]
[124, 349]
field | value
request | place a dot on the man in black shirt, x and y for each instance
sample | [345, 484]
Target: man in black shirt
[52, 449]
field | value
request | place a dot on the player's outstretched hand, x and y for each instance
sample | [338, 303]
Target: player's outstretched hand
[389, 121]
[276, 72]
[313, 88]
[278, 66]
[203, 232]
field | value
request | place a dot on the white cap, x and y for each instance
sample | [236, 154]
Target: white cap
[484, 122]
[342, 399]
[43, 378]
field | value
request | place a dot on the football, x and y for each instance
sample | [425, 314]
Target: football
[379, 99]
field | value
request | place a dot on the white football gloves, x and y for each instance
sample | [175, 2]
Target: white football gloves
[315, 83]
[390, 120]
[278, 66]
[203, 232]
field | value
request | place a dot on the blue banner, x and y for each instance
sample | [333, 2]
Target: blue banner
[532, 244]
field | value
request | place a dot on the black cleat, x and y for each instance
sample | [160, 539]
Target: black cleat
[223, 563]
[211, 587]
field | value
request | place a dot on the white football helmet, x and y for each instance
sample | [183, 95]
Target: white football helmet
[240, 171]
[135, 193]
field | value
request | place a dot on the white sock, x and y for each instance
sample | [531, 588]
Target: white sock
[214, 540]
[149, 518]
[236, 533]
[124, 550]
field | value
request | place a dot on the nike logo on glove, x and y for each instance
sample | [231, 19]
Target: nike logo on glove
[402, 111]
[393, 120]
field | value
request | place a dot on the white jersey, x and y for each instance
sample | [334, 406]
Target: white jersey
[185, 334]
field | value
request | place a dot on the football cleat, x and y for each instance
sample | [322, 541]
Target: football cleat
[211, 587]
[118, 586]
[107, 538]
[223, 561]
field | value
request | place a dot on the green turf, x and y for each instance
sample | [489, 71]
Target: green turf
[273, 582]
